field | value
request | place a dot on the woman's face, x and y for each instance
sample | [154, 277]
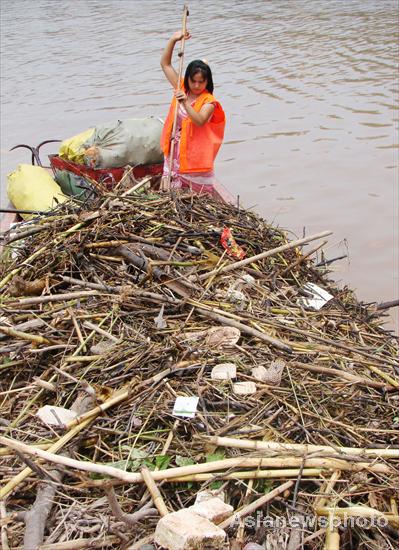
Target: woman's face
[197, 83]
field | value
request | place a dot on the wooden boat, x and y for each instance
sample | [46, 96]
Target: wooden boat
[108, 176]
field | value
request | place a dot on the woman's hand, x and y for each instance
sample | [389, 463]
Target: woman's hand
[180, 96]
[178, 35]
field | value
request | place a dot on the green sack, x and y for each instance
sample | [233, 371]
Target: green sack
[73, 185]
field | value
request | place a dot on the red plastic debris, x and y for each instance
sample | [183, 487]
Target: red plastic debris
[228, 242]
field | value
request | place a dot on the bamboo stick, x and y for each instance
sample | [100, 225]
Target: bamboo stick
[359, 511]
[77, 329]
[183, 471]
[299, 448]
[384, 375]
[56, 298]
[251, 474]
[266, 254]
[255, 505]
[154, 492]
[78, 544]
[321, 500]
[24, 335]
[101, 331]
[332, 538]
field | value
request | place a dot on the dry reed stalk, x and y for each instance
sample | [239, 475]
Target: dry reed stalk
[78, 544]
[326, 490]
[41, 250]
[56, 298]
[347, 376]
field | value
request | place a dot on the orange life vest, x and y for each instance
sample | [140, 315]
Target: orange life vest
[199, 145]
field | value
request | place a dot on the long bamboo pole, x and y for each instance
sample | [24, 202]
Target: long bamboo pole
[179, 76]
[260, 462]
[250, 474]
[299, 448]
[182, 471]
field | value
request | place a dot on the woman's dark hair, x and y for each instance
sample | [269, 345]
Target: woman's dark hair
[198, 66]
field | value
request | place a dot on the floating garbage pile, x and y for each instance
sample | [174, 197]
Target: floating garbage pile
[176, 373]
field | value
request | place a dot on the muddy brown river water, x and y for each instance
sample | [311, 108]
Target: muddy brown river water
[310, 89]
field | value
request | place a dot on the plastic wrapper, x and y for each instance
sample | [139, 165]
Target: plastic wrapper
[229, 244]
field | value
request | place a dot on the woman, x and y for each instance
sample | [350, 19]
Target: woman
[199, 130]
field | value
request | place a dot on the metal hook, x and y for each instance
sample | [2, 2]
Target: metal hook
[33, 150]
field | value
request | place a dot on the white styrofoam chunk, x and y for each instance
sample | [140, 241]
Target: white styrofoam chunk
[58, 416]
[224, 371]
[244, 388]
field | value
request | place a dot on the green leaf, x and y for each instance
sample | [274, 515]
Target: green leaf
[162, 461]
[216, 485]
[183, 461]
[135, 460]
[214, 457]
[150, 465]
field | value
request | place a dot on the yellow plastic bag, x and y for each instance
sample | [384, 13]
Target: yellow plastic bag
[71, 148]
[32, 188]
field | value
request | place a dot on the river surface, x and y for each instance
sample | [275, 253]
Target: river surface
[310, 88]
